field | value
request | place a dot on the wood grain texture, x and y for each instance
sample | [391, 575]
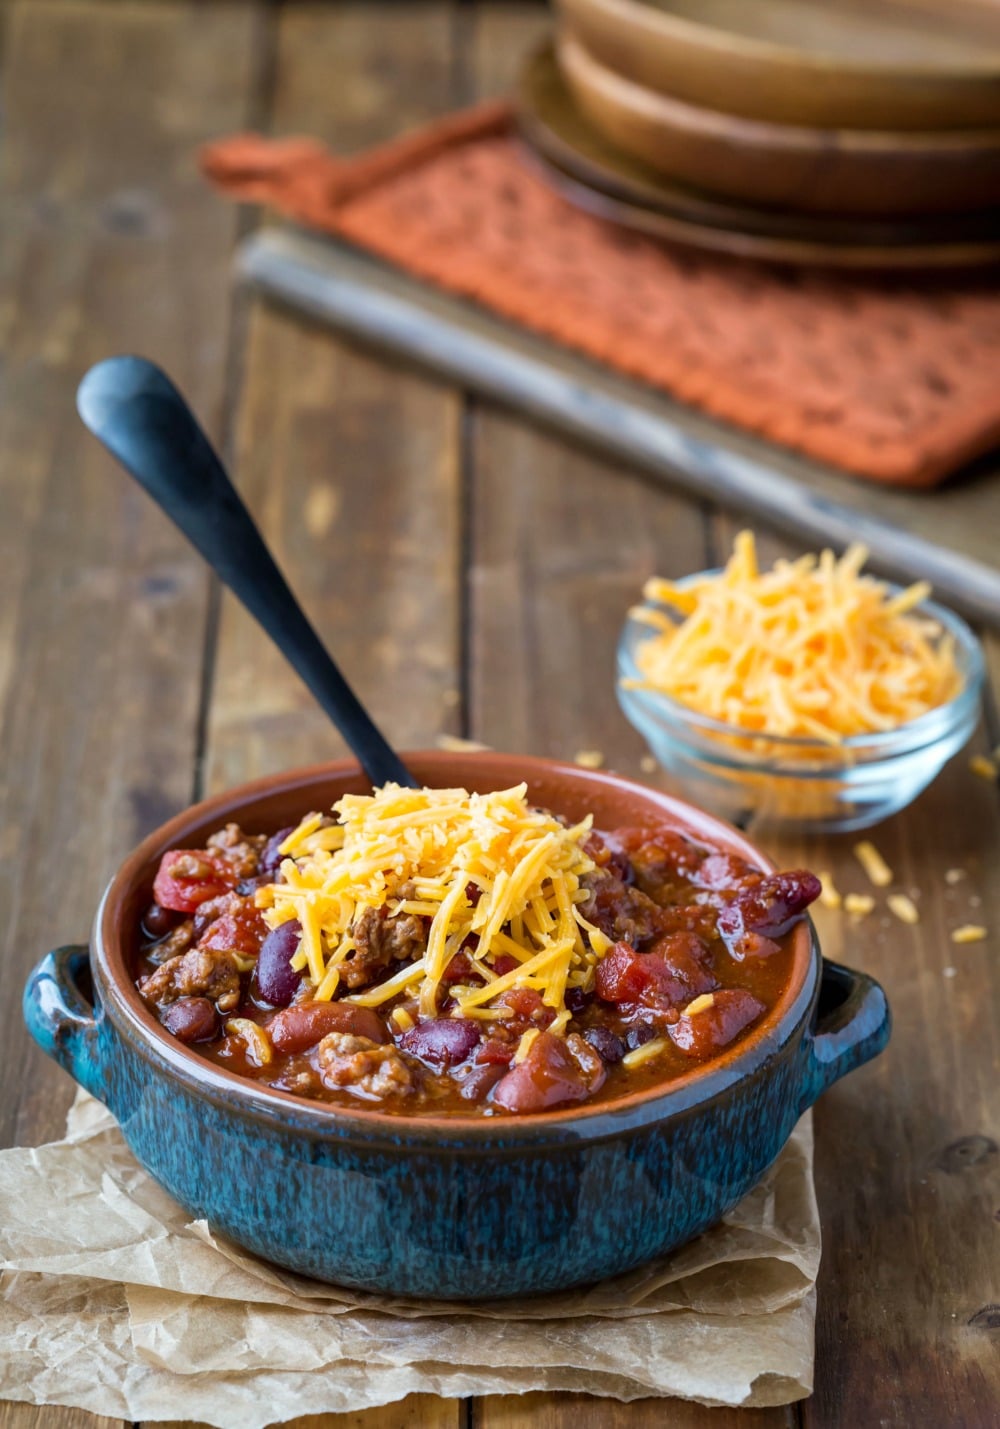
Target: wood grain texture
[560, 544]
[560, 541]
[102, 608]
[351, 466]
[103, 605]
[417, 1411]
[912, 64]
[884, 173]
[352, 469]
[907, 1165]
[560, 547]
[583, 1411]
[945, 535]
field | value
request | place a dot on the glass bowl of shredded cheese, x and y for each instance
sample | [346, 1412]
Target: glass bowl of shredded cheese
[804, 697]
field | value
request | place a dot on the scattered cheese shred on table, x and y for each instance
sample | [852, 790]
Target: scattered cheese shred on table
[809, 648]
[873, 863]
[985, 767]
[904, 908]
[472, 864]
[829, 895]
[969, 933]
[860, 904]
[589, 759]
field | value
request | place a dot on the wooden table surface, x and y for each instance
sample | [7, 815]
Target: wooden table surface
[471, 572]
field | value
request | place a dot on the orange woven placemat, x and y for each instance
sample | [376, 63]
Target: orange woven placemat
[887, 378]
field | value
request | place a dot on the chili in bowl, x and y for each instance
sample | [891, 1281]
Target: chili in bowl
[419, 1041]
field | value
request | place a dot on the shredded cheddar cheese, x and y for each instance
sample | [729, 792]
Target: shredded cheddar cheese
[984, 766]
[859, 904]
[969, 933]
[489, 874]
[810, 648]
[873, 863]
[645, 1053]
[904, 908]
[700, 1004]
[830, 895]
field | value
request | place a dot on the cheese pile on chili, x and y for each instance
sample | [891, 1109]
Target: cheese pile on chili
[809, 648]
[490, 874]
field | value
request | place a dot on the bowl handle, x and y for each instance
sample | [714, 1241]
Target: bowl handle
[852, 1026]
[62, 1021]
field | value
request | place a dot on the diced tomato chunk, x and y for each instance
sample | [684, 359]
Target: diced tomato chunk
[183, 891]
[493, 1052]
[622, 975]
[239, 932]
[548, 1076]
[527, 1006]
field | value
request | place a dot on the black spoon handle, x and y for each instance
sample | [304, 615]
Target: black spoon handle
[135, 410]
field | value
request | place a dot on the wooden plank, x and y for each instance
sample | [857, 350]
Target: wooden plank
[560, 547]
[582, 1411]
[560, 543]
[45, 1416]
[352, 468]
[945, 536]
[907, 1168]
[102, 608]
[350, 465]
[416, 1411]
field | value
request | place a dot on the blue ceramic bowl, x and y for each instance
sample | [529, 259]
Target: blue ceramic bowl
[449, 1208]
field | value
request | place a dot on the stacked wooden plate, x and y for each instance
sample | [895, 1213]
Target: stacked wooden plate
[865, 134]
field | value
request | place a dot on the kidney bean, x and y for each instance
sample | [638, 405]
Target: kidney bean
[708, 1031]
[274, 977]
[270, 858]
[157, 922]
[247, 887]
[548, 1076]
[770, 907]
[639, 1035]
[442, 1041]
[576, 999]
[479, 1081]
[607, 1044]
[191, 1019]
[298, 1028]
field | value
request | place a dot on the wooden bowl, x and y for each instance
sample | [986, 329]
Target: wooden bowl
[784, 166]
[592, 173]
[884, 64]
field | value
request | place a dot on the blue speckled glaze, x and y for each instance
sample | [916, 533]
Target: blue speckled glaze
[483, 1211]
[465, 1209]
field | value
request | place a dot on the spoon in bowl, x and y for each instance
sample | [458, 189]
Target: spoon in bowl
[137, 412]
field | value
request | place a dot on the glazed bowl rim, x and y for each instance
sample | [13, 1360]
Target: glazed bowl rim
[121, 1002]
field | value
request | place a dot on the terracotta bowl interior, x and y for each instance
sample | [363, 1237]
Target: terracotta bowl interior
[273, 803]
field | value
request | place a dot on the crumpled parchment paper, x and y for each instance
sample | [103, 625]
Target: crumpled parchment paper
[113, 1301]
